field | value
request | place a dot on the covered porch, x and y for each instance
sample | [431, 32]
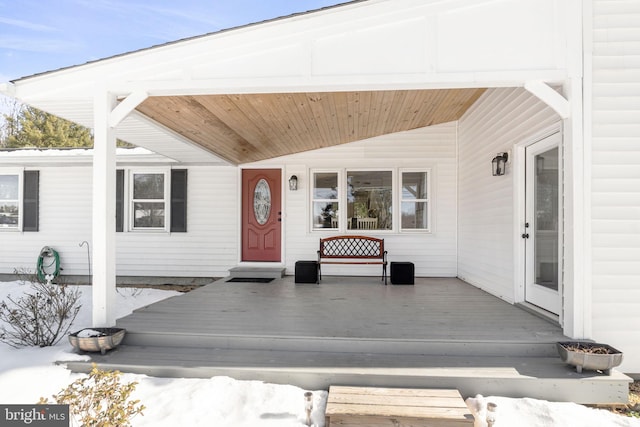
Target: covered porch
[440, 333]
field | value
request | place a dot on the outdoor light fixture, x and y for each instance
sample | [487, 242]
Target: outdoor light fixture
[499, 164]
[293, 183]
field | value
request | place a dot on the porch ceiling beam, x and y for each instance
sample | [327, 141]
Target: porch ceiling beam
[343, 83]
[549, 96]
[126, 106]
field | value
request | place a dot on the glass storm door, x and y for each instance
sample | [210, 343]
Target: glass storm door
[543, 224]
[261, 215]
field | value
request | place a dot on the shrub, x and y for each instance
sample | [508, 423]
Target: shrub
[40, 317]
[99, 400]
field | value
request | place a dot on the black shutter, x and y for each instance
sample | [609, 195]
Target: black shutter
[30, 204]
[119, 199]
[179, 200]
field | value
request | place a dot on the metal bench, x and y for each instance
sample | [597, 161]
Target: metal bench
[352, 250]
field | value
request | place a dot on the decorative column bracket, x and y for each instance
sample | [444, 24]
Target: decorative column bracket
[549, 96]
[126, 106]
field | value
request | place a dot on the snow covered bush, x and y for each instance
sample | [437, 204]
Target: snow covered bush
[99, 400]
[40, 317]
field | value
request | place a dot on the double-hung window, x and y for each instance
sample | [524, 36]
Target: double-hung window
[382, 200]
[10, 201]
[325, 200]
[149, 200]
[414, 200]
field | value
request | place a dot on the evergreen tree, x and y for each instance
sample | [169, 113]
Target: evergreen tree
[31, 127]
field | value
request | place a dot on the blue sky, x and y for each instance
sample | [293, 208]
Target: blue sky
[44, 35]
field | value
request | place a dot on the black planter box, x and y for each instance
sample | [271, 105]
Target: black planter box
[402, 273]
[306, 271]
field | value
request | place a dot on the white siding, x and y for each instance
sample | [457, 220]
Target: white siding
[65, 221]
[211, 245]
[615, 197]
[500, 119]
[209, 248]
[434, 254]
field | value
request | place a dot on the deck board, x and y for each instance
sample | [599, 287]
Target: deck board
[440, 333]
[345, 307]
[354, 406]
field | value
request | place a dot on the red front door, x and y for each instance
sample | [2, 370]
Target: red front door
[261, 215]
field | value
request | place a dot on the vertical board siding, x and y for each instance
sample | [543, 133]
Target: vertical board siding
[500, 119]
[615, 169]
[434, 254]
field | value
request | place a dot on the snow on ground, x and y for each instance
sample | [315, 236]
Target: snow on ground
[30, 373]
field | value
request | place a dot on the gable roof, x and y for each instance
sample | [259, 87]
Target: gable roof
[312, 80]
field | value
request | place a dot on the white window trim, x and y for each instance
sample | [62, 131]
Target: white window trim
[339, 199]
[396, 200]
[394, 204]
[428, 200]
[130, 211]
[20, 173]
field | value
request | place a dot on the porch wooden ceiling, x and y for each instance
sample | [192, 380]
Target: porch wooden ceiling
[251, 127]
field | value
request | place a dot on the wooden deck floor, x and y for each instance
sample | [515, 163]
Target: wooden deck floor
[439, 333]
[345, 307]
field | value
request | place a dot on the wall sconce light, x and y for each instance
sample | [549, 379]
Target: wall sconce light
[293, 183]
[499, 164]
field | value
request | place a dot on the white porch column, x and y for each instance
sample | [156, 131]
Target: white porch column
[104, 211]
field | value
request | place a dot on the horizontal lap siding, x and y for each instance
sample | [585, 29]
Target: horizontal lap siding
[433, 254]
[615, 172]
[208, 248]
[65, 221]
[500, 119]
[210, 245]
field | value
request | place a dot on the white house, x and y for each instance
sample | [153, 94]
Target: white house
[381, 109]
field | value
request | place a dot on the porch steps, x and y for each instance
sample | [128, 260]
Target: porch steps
[415, 407]
[439, 333]
[536, 377]
[257, 272]
[139, 337]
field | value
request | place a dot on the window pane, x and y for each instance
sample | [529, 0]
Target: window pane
[369, 199]
[148, 214]
[325, 214]
[8, 214]
[9, 206]
[414, 215]
[9, 187]
[148, 186]
[325, 185]
[414, 185]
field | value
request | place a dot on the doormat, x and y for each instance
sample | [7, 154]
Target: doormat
[251, 279]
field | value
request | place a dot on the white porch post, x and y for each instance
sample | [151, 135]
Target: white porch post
[104, 211]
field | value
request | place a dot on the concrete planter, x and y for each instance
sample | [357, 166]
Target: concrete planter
[96, 339]
[589, 355]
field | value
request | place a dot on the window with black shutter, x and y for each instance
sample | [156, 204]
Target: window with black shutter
[119, 200]
[141, 208]
[30, 201]
[179, 200]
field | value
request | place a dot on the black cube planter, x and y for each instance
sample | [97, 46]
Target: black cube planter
[306, 271]
[402, 273]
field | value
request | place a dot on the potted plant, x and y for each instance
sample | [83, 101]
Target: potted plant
[589, 355]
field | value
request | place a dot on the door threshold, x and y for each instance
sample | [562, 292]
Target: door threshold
[539, 312]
